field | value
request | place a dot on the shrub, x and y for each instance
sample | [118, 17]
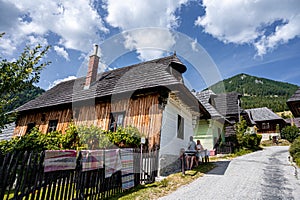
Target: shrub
[290, 133]
[81, 137]
[251, 141]
[93, 137]
[295, 150]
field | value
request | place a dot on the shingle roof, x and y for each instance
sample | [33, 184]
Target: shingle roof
[262, 114]
[295, 97]
[145, 75]
[204, 97]
[227, 103]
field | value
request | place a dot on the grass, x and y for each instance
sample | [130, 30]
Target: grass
[165, 186]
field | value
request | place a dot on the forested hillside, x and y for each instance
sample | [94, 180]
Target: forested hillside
[258, 92]
[24, 96]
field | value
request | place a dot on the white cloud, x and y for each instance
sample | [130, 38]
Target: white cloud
[194, 45]
[62, 52]
[56, 82]
[243, 21]
[76, 25]
[150, 43]
[135, 14]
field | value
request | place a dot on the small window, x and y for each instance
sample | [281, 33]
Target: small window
[180, 127]
[116, 120]
[30, 126]
[265, 126]
[52, 125]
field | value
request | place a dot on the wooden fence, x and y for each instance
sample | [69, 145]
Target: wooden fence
[224, 149]
[22, 176]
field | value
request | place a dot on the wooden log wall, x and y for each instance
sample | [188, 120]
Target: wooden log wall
[41, 120]
[142, 112]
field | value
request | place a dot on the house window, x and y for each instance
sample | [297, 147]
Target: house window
[52, 125]
[30, 126]
[180, 127]
[116, 120]
[265, 126]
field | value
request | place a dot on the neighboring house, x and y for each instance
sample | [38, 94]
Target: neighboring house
[210, 131]
[150, 96]
[7, 132]
[294, 103]
[268, 123]
[229, 106]
[293, 121]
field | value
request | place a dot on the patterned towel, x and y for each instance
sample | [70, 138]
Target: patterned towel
[112, 162]
[59, 160]
[127, 168]
[92, 159]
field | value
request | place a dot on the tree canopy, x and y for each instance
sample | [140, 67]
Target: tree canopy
[19, 75]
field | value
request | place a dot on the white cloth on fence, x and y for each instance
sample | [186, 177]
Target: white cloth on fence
[112, 162]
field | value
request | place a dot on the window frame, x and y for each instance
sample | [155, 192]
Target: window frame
[265, 125]
[30, 126]
[180, 127]
[115, 115]
[51, 124]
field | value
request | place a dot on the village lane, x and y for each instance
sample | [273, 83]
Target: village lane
[265, 175]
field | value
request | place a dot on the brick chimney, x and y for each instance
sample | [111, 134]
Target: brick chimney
[92, 68]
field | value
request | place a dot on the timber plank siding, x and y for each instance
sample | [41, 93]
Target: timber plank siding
[142, 112]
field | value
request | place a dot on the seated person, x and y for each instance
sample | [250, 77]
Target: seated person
[200, 150]
[191, 153]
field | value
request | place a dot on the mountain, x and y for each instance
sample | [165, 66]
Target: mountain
[24, 96]
[257, 92]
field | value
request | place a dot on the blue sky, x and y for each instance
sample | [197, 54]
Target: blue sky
[216, 39]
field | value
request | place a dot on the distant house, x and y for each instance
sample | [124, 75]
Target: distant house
[211, 130]
[294, 103]
[267, 122]
[150, 96]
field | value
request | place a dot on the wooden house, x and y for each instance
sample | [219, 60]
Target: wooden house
[294, 103]
[267, 122]
[150, 96]
[229, 106]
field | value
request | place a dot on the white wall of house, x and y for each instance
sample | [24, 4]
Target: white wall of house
[170, 144]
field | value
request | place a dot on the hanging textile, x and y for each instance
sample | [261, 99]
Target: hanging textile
[92, 159]
[112, 162]
[56, 160]
[127, 168]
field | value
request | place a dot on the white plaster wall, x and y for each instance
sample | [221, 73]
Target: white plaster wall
[169, 143]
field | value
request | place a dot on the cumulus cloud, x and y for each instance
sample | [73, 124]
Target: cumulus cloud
[136, 14]
[62, 52]
[76, 25]
[56, 82]
[262, 23]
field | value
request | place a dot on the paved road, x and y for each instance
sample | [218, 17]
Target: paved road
[264, 175]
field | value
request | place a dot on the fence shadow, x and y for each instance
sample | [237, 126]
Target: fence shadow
[220, 169]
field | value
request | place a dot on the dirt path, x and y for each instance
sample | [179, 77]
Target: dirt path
[265, 174]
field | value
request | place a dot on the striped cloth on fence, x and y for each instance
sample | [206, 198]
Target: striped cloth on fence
[56, 160]
[92, 159]
[127, 168]
[112, 162]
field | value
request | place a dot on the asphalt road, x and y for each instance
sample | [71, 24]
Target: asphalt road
[266, 175]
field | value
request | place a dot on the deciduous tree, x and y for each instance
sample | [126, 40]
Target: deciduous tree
[17, 75]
